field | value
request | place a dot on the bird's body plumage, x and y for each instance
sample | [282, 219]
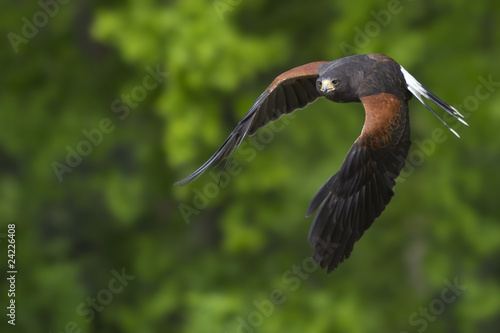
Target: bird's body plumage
[356, 195]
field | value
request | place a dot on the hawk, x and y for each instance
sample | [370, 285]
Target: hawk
[348, 202]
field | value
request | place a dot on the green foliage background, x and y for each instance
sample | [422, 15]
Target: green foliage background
[217, 265]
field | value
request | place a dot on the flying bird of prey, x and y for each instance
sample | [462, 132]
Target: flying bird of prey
[356, 195]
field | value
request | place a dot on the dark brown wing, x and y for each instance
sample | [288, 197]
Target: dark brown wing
[290, 91]
[353, 197]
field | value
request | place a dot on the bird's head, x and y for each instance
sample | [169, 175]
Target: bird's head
[340, 80]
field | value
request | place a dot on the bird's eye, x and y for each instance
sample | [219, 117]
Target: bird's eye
[319, 84]
[335, 82]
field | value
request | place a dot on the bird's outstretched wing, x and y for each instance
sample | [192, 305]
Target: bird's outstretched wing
[290, 91]
[353, 197]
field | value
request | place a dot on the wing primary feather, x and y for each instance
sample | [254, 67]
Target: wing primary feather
[205, 165]
[317, 224]
[320, 196]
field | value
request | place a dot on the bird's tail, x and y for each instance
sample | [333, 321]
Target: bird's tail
[419, 91]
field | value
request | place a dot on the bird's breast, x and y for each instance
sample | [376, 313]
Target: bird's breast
[383, 119]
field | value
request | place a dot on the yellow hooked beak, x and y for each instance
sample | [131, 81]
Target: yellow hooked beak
[326, 85]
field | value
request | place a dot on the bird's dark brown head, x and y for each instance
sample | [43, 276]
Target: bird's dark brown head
[339, 81]
[351, 78]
